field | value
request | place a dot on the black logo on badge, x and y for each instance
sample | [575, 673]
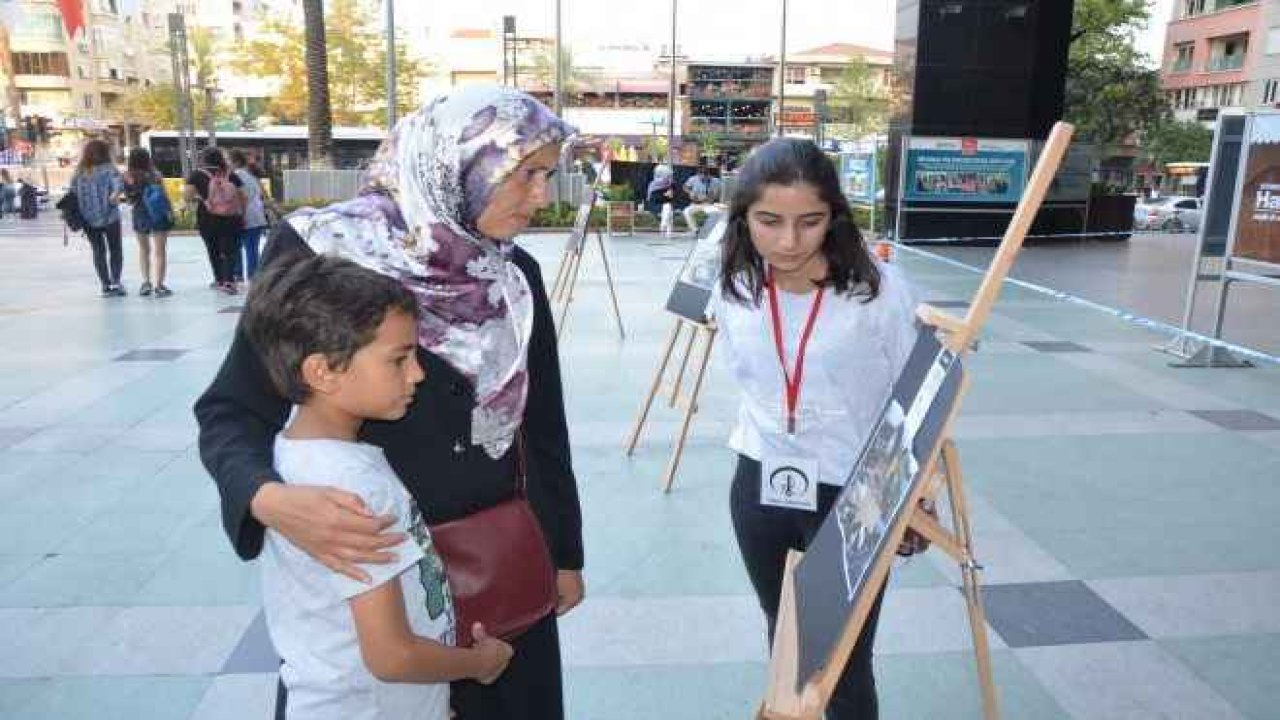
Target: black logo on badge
[789, 481]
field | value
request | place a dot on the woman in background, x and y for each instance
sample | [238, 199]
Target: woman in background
[97, 185]
[152, 220]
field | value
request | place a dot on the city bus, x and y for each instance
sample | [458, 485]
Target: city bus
[276, 149]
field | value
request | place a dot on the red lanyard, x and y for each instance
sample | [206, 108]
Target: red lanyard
[792, 383]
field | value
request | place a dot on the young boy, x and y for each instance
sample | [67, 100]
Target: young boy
[340, 342]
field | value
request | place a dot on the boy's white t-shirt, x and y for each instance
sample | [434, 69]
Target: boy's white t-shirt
[307, 613]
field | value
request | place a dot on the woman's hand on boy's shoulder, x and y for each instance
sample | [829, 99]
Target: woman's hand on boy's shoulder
[333, 526]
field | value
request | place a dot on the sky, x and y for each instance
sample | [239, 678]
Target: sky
[702, 27]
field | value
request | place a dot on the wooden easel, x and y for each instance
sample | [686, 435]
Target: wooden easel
[790, 697]
[689, 403]
[567, 275]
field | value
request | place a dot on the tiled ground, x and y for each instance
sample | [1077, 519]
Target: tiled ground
[1124, 510]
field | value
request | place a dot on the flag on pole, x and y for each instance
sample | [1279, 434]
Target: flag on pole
[72, 16]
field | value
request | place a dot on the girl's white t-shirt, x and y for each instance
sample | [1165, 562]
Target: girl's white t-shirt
[855, 353]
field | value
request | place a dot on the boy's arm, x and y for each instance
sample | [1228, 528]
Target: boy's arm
[394, 654]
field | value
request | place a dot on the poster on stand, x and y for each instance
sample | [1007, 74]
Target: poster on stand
[858, 175]
[965, 170]
[1258, 215]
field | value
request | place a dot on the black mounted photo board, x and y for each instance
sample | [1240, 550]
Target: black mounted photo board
[690, 297]
[832, 576]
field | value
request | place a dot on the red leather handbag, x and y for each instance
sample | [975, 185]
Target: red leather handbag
[499, 569]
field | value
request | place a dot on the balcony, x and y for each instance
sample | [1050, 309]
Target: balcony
[42, 82]
[1226, 63]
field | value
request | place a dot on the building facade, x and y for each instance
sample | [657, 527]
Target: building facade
[812, 74]
[1213, 50]
[81, 85]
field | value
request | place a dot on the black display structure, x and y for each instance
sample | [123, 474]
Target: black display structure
[980, 69]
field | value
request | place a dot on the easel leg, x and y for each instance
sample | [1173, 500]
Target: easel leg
[566, 292]
[690, 410]
[972, 589]
[613, 294]
[557, 287]
[653, 389]
[684, 364]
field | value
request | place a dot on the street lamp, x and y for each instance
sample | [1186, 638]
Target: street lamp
[671, 97]
[782, 73]
[391, 63]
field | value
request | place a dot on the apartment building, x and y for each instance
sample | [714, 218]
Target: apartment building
[813, 72]
[80, 84]
[1213, 48]
[1264, 88]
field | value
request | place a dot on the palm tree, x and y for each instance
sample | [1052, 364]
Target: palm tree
[319, 116]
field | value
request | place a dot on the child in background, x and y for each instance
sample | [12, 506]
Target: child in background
[340, 342]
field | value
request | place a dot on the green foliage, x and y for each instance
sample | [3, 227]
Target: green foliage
[1176, 141]
[357, 67]
[655, 147]
[618, 193]
[573, 79]
[856, 106]
[1112, 92]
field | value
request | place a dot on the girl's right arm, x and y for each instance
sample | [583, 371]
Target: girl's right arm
[393, 653]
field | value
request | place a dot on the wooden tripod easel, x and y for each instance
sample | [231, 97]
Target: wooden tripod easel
[689, 403]
[790, 697]
[567, 275]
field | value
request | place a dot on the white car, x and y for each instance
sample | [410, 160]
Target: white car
[1172, 213]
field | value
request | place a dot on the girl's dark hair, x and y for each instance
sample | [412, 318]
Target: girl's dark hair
[322, 304]
[213, 157]
[238, 158]
[95, 153]
[788, 161]
[140, 161]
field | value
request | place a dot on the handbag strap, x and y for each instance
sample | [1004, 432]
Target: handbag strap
[522, 466]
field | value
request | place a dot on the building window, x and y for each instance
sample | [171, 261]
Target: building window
[1269, 89]
[1228, 53]
[1192, 7]
[797, 75]
[39, 26]
[87, 100]
[1183, 53]
[26, 63]
[238, 30]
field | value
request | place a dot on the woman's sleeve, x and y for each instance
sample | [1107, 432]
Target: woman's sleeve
[547, 432]
[239, 416]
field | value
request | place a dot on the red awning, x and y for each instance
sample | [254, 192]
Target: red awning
[660, 87]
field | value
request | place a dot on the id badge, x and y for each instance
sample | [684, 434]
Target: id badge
[789, 482]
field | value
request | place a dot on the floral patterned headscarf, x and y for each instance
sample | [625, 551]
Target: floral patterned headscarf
[415, 220]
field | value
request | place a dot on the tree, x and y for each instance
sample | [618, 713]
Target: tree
[1111, 91]
[856, 106]
[356, 68]
[1176, 141]
[319, 114]
[573, 80]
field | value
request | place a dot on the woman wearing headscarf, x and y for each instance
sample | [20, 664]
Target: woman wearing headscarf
[448, 190]
[661, 196]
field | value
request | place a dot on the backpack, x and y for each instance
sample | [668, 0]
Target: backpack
[69, 206]
[157, 205]
[222, 197]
